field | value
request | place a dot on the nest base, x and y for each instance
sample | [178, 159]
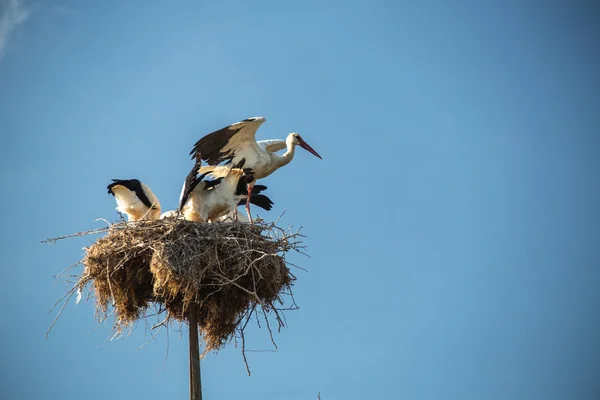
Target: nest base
[224, 271]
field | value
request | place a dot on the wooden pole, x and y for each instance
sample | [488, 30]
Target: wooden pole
[195, 383]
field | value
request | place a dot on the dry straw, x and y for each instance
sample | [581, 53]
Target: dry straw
[229, 272]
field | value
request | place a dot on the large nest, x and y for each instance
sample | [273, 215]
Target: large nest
[225, 271]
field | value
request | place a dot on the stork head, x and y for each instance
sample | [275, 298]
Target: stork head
[296, 139]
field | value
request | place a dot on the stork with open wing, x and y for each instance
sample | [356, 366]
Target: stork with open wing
[236, 145]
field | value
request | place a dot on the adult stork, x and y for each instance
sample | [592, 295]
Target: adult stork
[210, 200]
[236, 145]
[134, 199]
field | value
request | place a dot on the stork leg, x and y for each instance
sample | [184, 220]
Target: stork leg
[248, 204]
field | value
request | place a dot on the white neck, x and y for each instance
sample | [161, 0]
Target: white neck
[286, 157]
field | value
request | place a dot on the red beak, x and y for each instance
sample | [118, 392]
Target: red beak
[306, 147]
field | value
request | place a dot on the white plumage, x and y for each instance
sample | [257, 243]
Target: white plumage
[210, 200]
[171, 214]
[135, 199]
[232, 217]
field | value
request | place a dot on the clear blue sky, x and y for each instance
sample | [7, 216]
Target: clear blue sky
[453, 222]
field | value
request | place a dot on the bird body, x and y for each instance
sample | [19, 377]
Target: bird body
[236, 144]
[135, 199]
[222, 199]
[209, 200]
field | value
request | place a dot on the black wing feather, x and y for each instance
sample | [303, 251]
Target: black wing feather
[241, 188]
[191, 181]
[210, 146]
[256, 189]
[212, 183]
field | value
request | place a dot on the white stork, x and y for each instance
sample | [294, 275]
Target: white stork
[237, 145]
[210, 200]
[135, 199]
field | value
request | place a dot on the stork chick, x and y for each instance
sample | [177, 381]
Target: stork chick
[209, 200]
[134, 199]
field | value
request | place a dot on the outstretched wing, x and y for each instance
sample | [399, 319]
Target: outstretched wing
[230, 144]
[272, 145]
